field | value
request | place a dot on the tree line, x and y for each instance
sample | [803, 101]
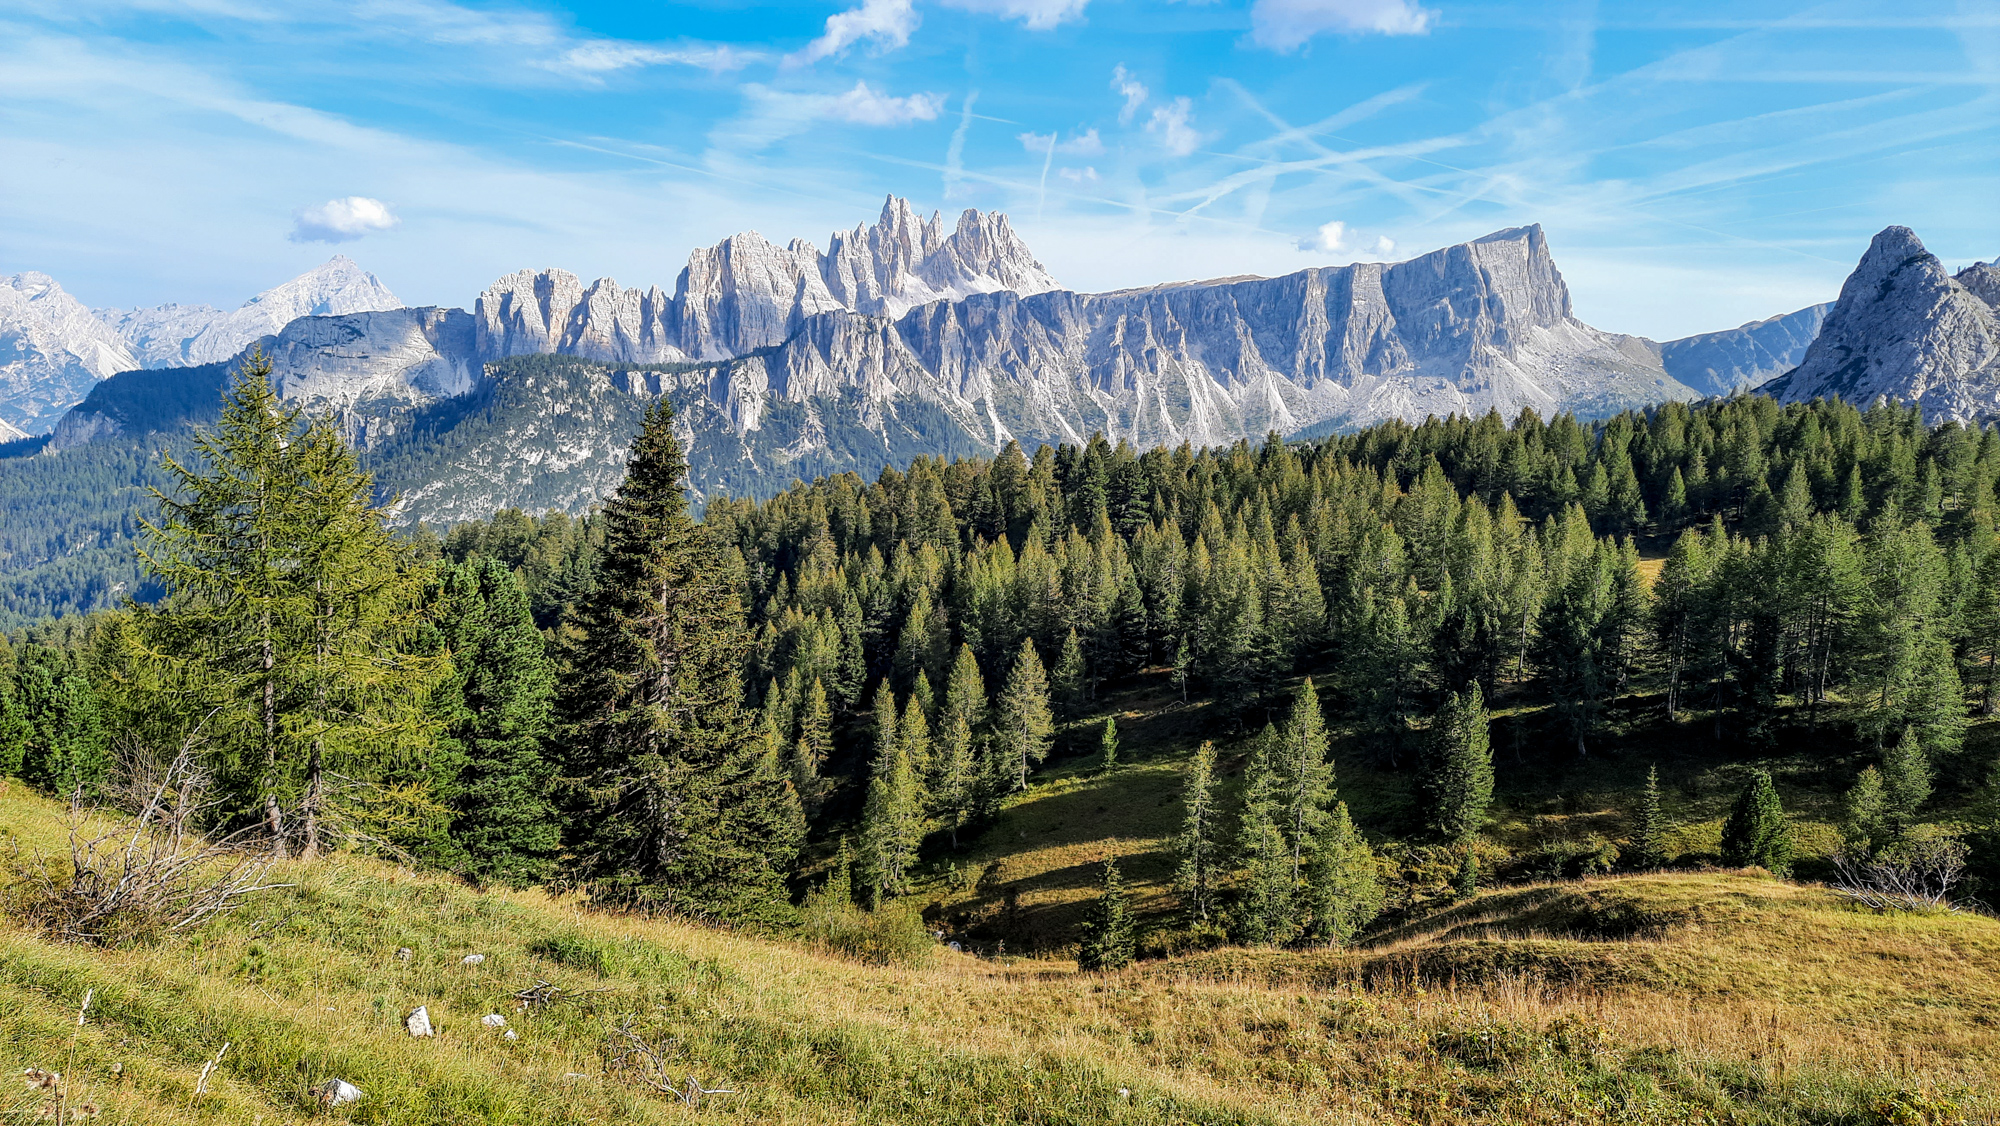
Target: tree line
[666, 711]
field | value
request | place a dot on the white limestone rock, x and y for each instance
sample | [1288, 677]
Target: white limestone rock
[335, 289]
[1485, 325]
[419, 1022]
[52, 351]
[1750, 355]
[338, 1092]
[368, 368]
[1906, 330]
[160, 336]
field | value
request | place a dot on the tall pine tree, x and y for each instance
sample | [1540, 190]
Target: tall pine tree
[668, 805]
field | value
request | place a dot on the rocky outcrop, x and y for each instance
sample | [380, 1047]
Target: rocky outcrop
[371, 368]
[52, 351]
[1905, 329]
[1721, 363]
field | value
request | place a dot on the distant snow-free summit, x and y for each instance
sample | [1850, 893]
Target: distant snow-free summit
[53, 349]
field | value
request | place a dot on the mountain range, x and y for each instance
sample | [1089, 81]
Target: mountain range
[972, 325]
[902, 338]
[54, 349]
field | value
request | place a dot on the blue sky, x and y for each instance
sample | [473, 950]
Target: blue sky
[1696, 165]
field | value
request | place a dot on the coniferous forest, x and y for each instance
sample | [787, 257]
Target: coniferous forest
[815, 703]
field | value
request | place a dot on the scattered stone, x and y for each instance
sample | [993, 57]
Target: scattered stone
[1124, 1092]
[402, 953]
[339, 1092]
[419, 1022]
[510, 1034]
[472, 959]
[493, 1020]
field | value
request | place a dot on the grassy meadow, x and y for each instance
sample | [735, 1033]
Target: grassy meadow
[1683, 997]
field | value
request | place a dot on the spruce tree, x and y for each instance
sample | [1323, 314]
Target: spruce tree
[1649, 835]
[1756, 833]
[1108, 942]
[1468, 872]
[1865, 813]
[1108, 745]
[67, 750]
[667, 801]
[1906, 781]
[14, 729]
[1458, 776]
[1265, 883]
[502, 821]
[1024, 724]
[1195, 847]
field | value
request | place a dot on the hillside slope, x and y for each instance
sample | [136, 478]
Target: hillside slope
[1711, 1010]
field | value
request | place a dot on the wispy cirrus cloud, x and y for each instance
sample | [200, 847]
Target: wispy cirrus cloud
[1037, 15]
[604, 56]
[1086, 143]
[1286, 25]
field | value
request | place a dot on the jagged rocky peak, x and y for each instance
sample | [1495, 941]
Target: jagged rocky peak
[1906, 329]
[904, 261]
[747, 292]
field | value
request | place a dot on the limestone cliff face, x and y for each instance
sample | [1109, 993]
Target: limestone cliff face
[1482, 325]
[369, 368]
[1906, 329]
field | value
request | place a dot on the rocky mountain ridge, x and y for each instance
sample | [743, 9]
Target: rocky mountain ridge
[53, 348]
[1908, 330]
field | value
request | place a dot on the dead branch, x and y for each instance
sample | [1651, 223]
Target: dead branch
[1917, 876]
[630, 1055]
[157, 874]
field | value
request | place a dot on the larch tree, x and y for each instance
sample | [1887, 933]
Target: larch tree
[290, 622]
[1196, 848]
[1024, 725]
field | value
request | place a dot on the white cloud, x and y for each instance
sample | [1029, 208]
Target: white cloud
[1079, 175]
[1039, 15]
[1086, 143]
[1173, 124]
[1336, 238]
[341, 220]
[887, 22]
[607, 55]
[1285, 25]
[863, 106]
[1131, 89]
